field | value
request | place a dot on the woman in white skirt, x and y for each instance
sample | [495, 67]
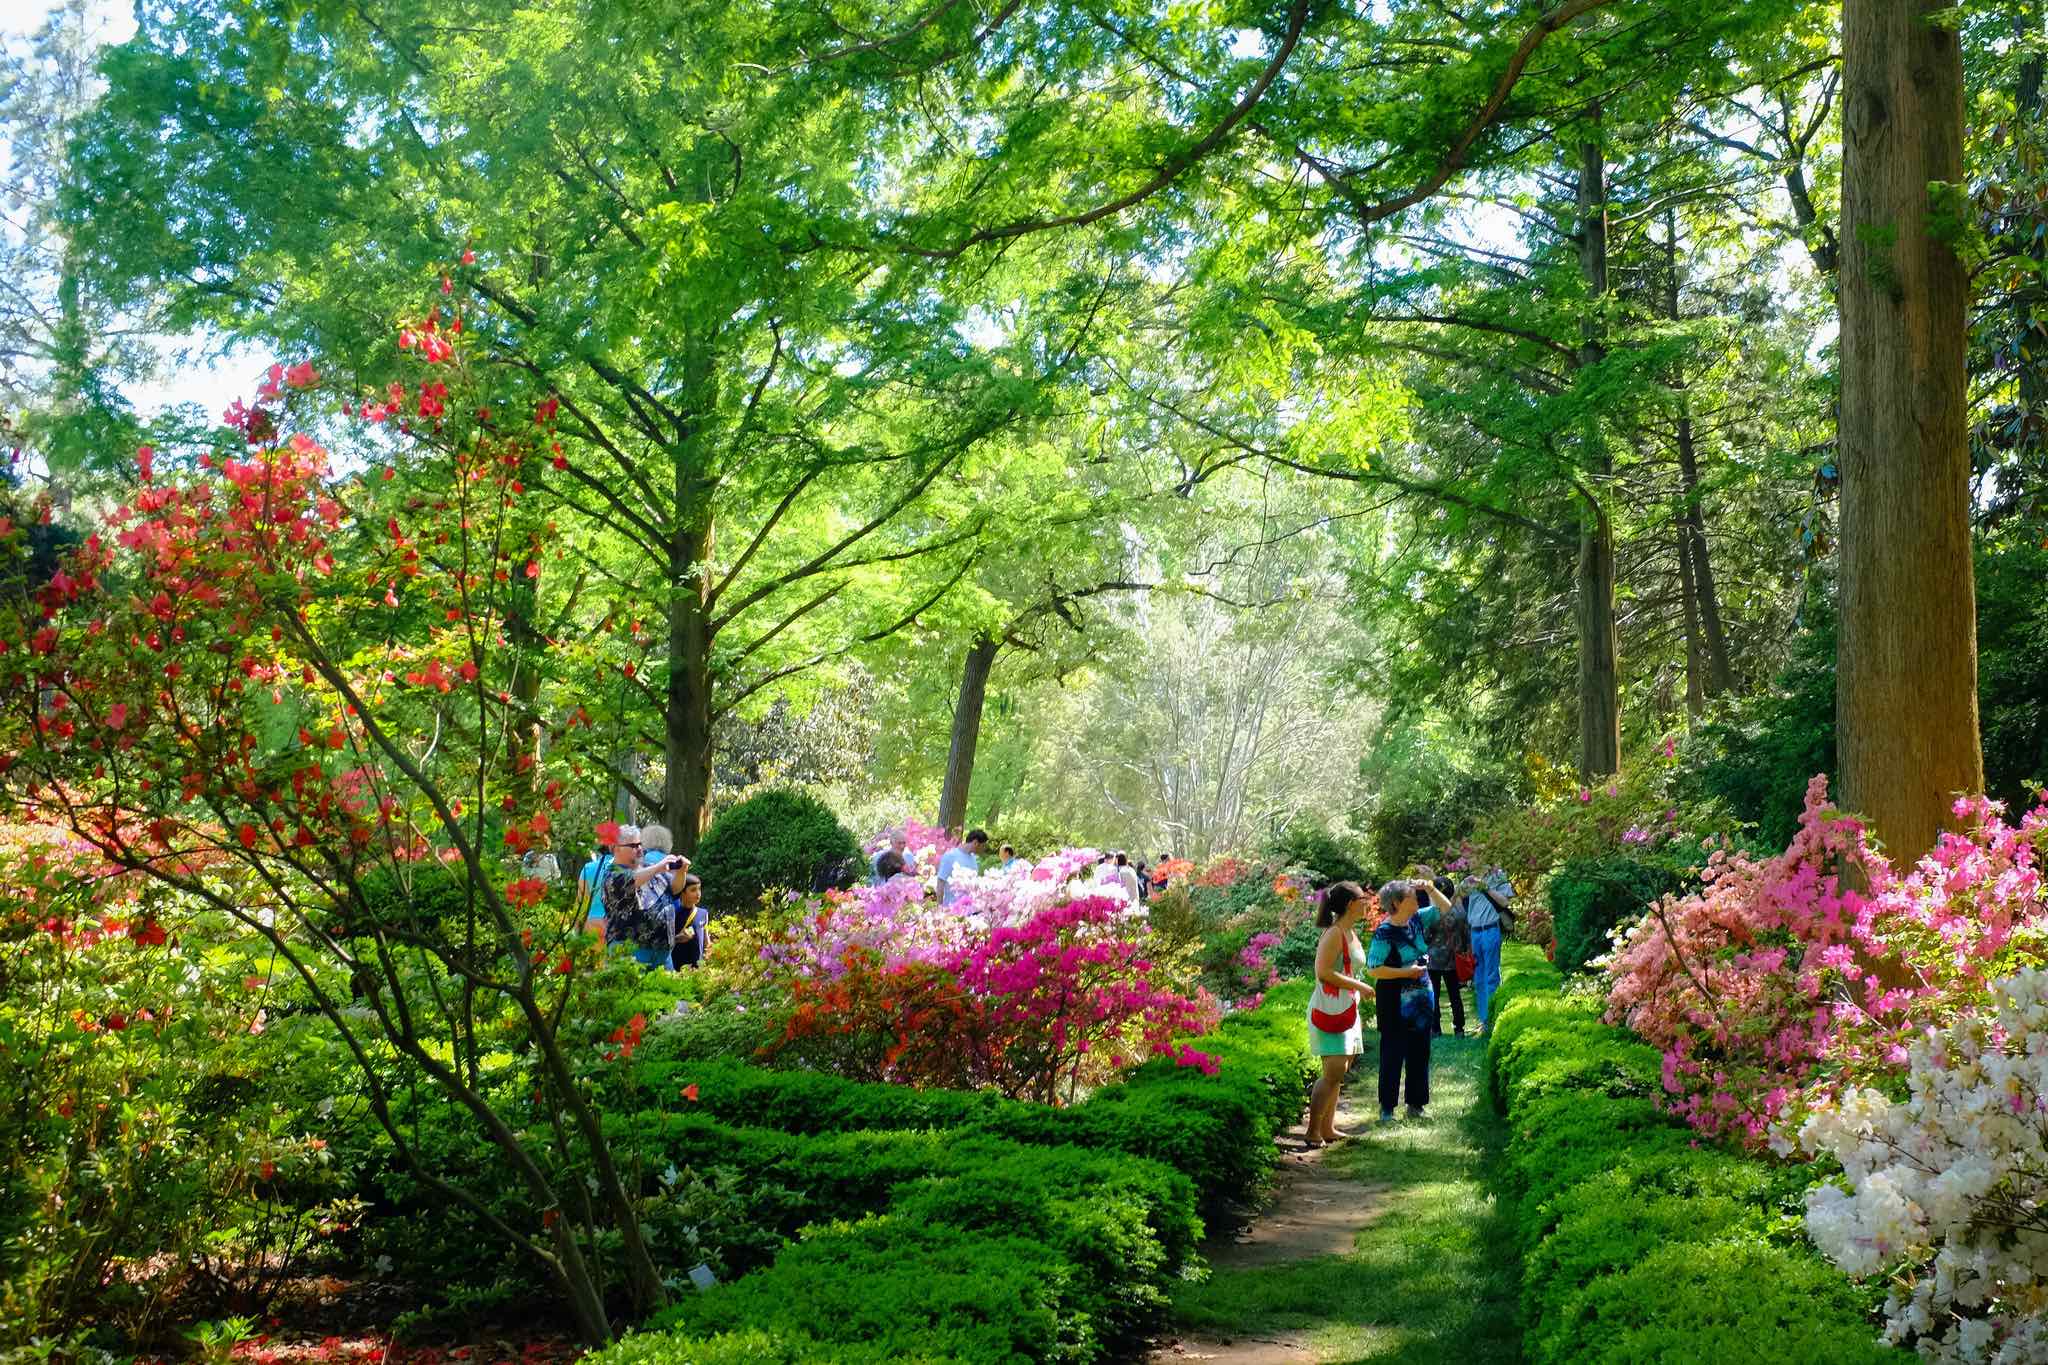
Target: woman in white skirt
[1334, 1032]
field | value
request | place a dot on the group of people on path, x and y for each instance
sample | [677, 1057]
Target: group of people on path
[1432, 934]
[897, 860]
[637, 894]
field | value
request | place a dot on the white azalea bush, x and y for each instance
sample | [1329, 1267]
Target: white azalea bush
[1946, 1190]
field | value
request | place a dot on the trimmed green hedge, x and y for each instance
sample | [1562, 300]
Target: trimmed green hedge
[1217, 1130]
[1641, 1244]
[1125, 1227]
[779, 840]
[944, 1226]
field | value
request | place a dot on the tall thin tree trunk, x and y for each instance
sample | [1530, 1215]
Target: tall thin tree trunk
[686, 787]
[1713, 638]
[1906, 664]
[981, 658]
[1599, 640]
[1720, 672]
[1695, 650]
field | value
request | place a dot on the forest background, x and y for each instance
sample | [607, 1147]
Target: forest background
[1171, 428]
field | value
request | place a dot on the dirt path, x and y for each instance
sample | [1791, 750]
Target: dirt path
[1354, 1238]
[1314, 1210]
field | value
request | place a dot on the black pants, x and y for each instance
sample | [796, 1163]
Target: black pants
[1447, 984]
[1403, 1050]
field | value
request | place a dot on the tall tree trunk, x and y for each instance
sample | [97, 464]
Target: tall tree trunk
[686, 788]
[981, 657]
[1695, 650]
[1720, 673]
[1713, 638]
[1906, 663]
[1599, 640]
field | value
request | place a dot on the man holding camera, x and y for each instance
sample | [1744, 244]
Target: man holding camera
[628, 920]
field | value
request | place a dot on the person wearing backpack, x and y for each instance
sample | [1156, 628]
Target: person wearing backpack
[1397, 960]
[590, 890]
[1490, 920]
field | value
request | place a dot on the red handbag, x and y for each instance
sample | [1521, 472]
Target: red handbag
[1335, 1023]
[1466, 965]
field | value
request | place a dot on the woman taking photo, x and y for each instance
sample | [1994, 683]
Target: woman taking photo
[1334, 1033]
[1398, 963]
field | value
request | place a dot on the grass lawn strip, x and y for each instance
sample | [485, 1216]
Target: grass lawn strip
[1431, 1278]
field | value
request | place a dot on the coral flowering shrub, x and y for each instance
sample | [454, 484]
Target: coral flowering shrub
[1782, 977]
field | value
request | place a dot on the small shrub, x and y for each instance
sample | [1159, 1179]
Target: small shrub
[1318, 853]
[776, 841]
[1590, 896]
[910, 1289]
[725, 1027]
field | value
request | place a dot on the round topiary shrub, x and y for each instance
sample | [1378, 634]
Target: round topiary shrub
[779, 840]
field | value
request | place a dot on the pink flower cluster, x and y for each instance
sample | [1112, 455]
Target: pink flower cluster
[1069, 999]
[1254, 975]
[1785, 979]
[1055, 991]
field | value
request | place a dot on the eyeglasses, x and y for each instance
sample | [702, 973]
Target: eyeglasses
[625, 845]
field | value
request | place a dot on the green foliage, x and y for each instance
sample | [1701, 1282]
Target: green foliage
[1638, 1243]
[1217, 1130]
[2012, 667]
[1429, 786]
[1590, 896]
[776, 841]
[912, 1290]
[1757, 754]
[721, 1027]
[1318, 853]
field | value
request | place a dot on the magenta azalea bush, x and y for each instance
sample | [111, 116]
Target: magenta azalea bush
[1039, 984]
[1786, 979]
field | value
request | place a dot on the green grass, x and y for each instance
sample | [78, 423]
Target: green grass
[1433, 1278]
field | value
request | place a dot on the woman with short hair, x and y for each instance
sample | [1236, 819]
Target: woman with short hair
[1398, 963]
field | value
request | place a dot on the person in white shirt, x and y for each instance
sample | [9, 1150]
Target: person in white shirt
[1127, 877]
[966, 858]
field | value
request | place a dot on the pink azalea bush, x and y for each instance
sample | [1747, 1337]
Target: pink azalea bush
[1787, 977]
[1041, 1009]
[1038, 985]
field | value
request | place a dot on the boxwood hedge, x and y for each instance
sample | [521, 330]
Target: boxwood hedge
[1641, 1243]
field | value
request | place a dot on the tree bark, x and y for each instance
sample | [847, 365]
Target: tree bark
[1695, 651]
[1692, 541]
[1599, 640]
[1906, 695]
[1720, 675]
[686, 787]
[981, 658]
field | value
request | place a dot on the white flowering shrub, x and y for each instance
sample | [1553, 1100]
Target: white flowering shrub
[1946, 1190]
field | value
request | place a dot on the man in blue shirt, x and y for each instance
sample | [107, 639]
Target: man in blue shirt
[1488, 916]
[965, 858]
